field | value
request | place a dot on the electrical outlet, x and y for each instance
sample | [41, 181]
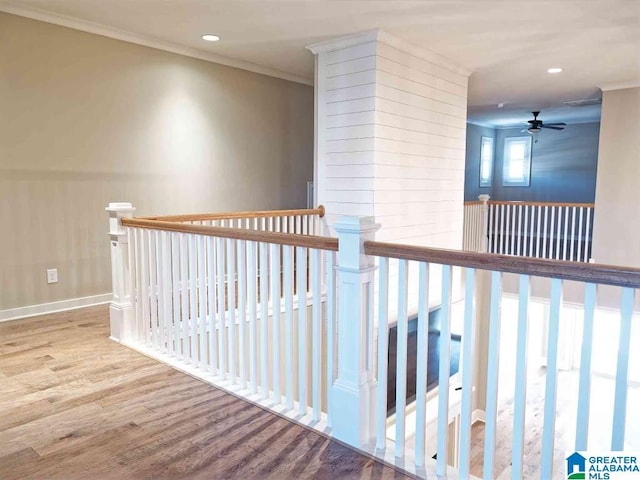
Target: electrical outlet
[52, 275]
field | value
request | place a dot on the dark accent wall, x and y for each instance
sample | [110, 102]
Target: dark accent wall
[563, 165]
[472, 165]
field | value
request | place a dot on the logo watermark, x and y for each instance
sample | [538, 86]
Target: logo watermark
[602, 466]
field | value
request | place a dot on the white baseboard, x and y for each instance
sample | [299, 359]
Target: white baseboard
[52, 307]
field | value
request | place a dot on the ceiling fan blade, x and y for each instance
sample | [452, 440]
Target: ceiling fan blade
[555, 124]
[552, 127]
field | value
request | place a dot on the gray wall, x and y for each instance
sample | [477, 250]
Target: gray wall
[617, 216]
[87, 120]
[563, 165]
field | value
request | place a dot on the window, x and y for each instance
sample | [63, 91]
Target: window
[486, 161]
[516, 167]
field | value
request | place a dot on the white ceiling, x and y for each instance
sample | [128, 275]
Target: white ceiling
[508, 44]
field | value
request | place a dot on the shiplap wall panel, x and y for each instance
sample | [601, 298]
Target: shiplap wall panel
[408, 62]
[420, 149]
[391, 137]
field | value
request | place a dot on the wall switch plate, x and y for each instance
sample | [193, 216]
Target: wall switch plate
[52, 275]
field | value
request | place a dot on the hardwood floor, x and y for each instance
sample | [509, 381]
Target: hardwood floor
[74, 405]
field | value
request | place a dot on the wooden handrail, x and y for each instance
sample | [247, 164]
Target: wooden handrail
[473, 202]
[578, 271]
[194, 217]
[307, 241]
[541, 204]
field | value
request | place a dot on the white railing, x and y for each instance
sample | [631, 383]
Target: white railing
[299, 222]
[558, 231]
[301, 324]
[500, 390]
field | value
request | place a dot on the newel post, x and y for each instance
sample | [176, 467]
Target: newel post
[484, 244]
[121, 309]
[352, 395]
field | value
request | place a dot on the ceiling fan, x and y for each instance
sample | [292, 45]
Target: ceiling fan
[537, 125]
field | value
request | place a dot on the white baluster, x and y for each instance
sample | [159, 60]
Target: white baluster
[153, 277]
[422, 356]
[222, 307]
[502, 229]
[622, 371]
[401, 357]
[184, 296]
[587, 235]
[559, 234]
[144, 278]
[167, 324]
[139, 299]
[212, 281]
[242, 311]
[287, 257]
[383, 353]
[520, 396]
[193, 312]
[316, 334]
[493, 368]
[551, 380]
[175, 291]
[584, 389]
[467, 367]
[331, 326]
[275, 317]
[579, 256]
[264, 320]
[443, 373]
[252, 300]
[566, 231]
[573, 233]
[519, 231]
[301, 268]
[202, 301]
[231, 307]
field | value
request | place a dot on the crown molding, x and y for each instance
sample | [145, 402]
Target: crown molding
[620, 85]
[344, 41]
[146, 41]
[378, 35]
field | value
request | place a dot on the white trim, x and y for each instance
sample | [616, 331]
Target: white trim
[52, 307]
[125, 36]
[620, 85]
[478, 415]
[344, 41]
[381, 36]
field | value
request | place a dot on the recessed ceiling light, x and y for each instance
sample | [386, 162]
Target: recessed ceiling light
[554, 70]
[210, 37]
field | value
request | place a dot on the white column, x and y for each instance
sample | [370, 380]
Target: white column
[484, 198]
[121, 309]
[390, 122]
[352, 395]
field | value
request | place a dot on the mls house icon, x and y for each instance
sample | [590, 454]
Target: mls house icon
[576, 467]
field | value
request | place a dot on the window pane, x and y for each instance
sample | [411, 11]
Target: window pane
[517, 161]
[486, 161]
[486, 171]
[516, 169]
[516, 151]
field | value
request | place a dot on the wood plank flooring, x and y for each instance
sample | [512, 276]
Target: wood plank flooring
[74, 405]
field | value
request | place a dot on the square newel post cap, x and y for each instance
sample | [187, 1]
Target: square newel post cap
[117, 211]
[484, 197]
[349, 224]
[352, 233]
[120, 209]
